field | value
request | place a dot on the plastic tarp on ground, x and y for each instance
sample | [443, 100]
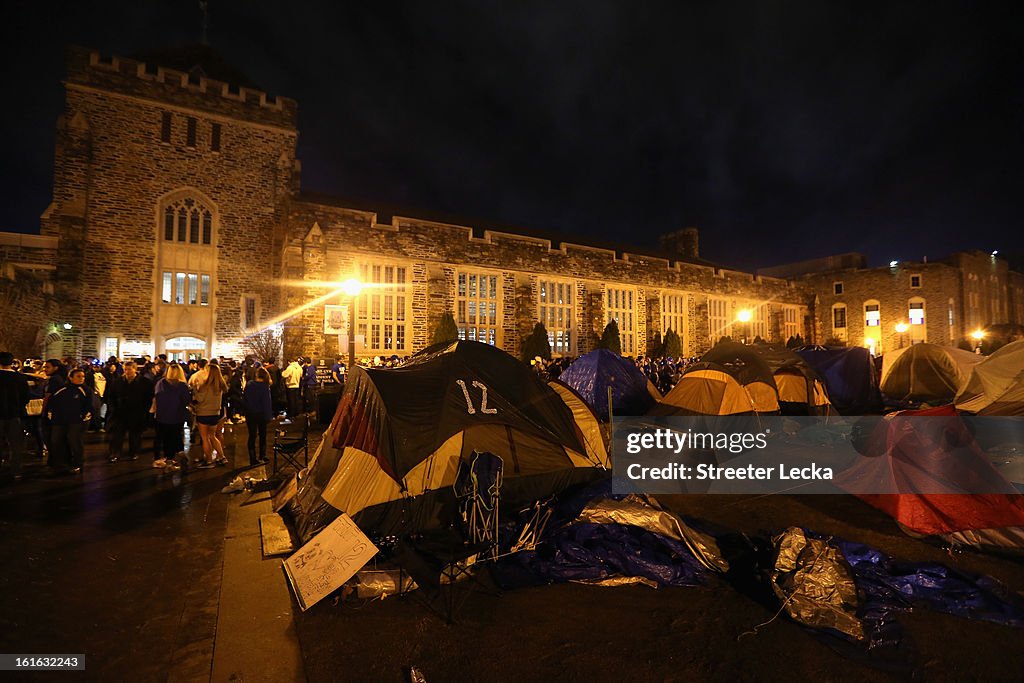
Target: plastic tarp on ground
[996, 385]
[926, 372]
[390, 456]
[831, 585]
[592, 375]
[595, 536]
[849, 375]
[920, 459]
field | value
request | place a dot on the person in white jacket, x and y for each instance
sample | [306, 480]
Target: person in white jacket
[292, 376]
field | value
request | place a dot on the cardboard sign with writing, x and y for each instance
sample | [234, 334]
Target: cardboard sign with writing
[330, 559]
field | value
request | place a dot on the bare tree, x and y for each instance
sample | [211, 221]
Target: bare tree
[264, 344]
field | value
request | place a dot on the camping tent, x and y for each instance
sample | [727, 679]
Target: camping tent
[750, 370]
[592, 375]
[996, 385]
[801, 390]
[712, 389]
[918, 458]
[849, 376]
[926, 372]
[391, 454]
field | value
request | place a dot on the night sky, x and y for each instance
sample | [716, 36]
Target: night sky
[783, 130]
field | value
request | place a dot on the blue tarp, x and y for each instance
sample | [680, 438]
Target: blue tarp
[849, 375]
[592, 374]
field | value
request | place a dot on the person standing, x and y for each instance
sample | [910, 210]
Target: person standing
[129, 397]
[208, 406]
[309, 385]
[68, 410]
[338, 371]
[258, 412]
[170, 402]
[277, 385]
[13, 398]
[292, 376]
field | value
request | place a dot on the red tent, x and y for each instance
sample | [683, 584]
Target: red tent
[913, 467]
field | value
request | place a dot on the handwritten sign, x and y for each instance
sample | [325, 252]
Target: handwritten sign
[330, 559]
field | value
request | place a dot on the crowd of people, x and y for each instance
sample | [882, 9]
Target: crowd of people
[664, 372]
[55, 402]
[52, 403]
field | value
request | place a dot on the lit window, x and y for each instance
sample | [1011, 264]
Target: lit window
[555, 310]
[673, 314]
[193, 282]
[168, 289]
[872, 315]
[620, 309]
[179, 289]
[110, 347]
[382, 310]
[476, 306]
[916, 313]
[204, 290]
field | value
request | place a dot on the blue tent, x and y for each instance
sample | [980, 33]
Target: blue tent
[849, 374]
[592, 374]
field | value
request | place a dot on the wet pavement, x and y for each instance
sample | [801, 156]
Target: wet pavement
[122, 563]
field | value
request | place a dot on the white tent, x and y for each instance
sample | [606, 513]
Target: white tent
[926, 372]
[996, 386]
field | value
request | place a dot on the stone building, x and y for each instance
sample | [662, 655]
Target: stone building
[904, 303]
[182, 228]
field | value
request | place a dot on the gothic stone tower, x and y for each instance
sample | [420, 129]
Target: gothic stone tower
[170, 190]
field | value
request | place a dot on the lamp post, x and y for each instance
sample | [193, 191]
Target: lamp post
[744, 316]
[351, 288]
[901, 328]
[978, 336]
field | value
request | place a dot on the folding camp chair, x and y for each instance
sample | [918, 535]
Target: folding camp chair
[291, 445]
[443, 563]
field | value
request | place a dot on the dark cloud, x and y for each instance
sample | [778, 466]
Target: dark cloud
[783, 130]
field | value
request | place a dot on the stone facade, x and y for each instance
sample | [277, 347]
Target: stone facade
[134, 139]
[182, 227]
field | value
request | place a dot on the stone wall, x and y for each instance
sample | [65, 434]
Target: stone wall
[349, 236]
[893, 290]
[111, 173]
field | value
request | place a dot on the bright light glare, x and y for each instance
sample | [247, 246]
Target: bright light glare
[67, 326]
[351, 287]
[744, 316]
[901, 327]
[893, 264]
[978, 334]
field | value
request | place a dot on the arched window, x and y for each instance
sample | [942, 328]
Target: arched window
[188, 221]
[915, 314]
[872, 313]
[839, 321]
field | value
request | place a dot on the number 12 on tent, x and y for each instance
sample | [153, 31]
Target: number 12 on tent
[483, 400]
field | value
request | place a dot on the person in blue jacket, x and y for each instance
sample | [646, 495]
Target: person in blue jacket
[68, 409]
[259, 411]
[171, 398]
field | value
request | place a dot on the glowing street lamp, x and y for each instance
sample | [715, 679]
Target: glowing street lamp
[902, 328]
[978, 336]
[744, 316]
[351, 289]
